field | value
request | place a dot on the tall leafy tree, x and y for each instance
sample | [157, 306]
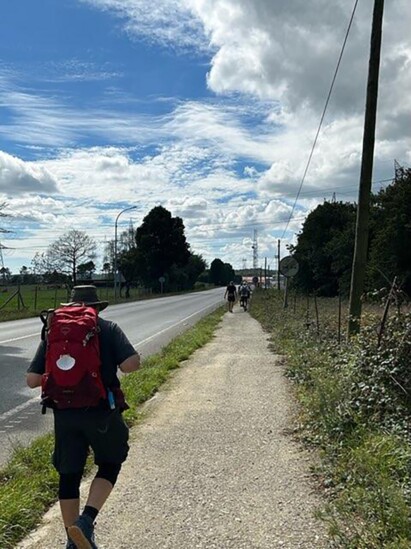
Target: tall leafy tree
[324, 249]
[161, 246]
[217, 272]
[221, 273]
[86, 269]
[390, 246]
[184, 278]
[195, 267]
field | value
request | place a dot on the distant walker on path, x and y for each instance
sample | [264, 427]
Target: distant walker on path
[230, 295]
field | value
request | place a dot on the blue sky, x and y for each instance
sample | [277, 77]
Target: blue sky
[207, 107]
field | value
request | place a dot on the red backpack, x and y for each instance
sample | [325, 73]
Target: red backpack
[72, 377]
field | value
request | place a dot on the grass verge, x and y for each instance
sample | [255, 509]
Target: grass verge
[355, 409]
[28, 484]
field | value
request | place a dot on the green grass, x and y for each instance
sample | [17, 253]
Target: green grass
[354, 410]
[36, 298]
[28, 484]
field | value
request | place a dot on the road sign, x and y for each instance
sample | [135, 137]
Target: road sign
[289, 266]
[161, 279]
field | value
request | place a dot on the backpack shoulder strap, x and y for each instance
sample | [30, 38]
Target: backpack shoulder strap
[45, 317]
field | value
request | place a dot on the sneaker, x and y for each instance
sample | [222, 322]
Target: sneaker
[82, 533]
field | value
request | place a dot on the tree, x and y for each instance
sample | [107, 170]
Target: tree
[106, 268]
[25, 276]
[5, 274]
[221, 273]
[324, 249]
[390, 235]
[127, 266]
[184, 278]
[125, 243]
[217, 276]
[67, 252]
[86, 270]
[161, 246]
[42, 265]
[195, 267]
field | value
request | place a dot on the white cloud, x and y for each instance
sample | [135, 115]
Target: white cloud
[167, 22]
[229, 164]
[18, 177]
[274, 49]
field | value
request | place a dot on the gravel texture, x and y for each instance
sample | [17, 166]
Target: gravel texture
[212, 465]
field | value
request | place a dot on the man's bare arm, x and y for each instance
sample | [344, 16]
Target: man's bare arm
[131, 364]
[33, 380]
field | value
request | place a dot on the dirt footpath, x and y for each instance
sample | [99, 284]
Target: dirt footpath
[212, 465]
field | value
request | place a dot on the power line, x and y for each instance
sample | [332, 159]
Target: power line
[323, 114]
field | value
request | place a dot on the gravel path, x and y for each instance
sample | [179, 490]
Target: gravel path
[212, 465]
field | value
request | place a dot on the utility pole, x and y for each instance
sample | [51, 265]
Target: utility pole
[363, 213]
[255, 252]
[278, 264]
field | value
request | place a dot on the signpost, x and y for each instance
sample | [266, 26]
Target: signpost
[161, 280]
[288, 268]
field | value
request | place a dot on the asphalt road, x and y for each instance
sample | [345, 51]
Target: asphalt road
[149, 325]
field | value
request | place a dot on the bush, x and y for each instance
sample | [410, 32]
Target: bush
[355, 406]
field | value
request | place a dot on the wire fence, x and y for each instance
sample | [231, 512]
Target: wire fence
[27, 300]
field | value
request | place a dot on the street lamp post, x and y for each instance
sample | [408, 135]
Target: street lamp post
[115, 248]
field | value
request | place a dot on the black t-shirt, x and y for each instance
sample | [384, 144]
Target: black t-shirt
[231, 289]
[115, 348]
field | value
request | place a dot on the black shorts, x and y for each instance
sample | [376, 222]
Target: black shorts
[231, 297]
[76, 431]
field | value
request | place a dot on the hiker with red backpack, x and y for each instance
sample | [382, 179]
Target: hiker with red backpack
[76, 366]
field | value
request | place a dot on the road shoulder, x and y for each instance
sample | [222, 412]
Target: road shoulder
[212, 465]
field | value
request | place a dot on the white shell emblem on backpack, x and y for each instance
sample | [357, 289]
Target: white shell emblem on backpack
[65, 362]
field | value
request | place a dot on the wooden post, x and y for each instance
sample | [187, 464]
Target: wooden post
[386, 309]
[361, 230]
[286, 294]
[317, 318]
[278, 265]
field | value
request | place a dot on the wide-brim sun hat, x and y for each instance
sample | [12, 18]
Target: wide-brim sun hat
[87, 295]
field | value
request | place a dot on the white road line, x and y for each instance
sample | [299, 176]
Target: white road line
[172, 326]
[19, 408]
[18, 338]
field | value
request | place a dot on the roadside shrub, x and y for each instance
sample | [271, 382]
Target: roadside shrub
[356, 406]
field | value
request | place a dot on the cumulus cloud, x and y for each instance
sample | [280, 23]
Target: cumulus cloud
[231, 163]
[18, 177]
[286, 53]
[275, 49]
